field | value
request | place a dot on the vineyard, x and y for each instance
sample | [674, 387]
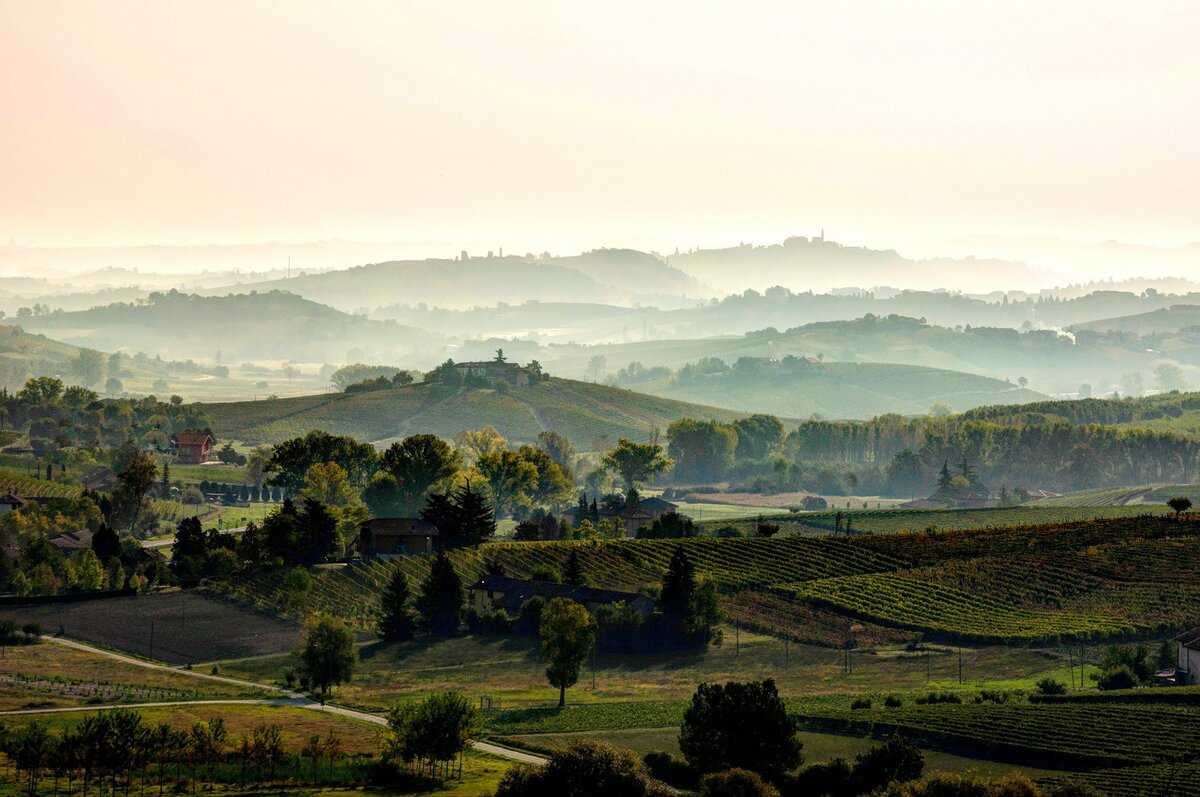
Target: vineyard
[892, 521]
[1079, 734]
[1084, 581]
[30, 487]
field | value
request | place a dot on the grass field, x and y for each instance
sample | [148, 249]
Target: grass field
[187, 627]
[39, 676]
[819, 748]
[508, 671]
[580, 410]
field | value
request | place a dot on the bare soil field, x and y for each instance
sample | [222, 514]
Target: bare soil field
[175, 627]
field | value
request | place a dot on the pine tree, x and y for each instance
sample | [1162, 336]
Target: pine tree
[573, 574]
[440, 603]
[679, 584]
[944, 476]
[396, 619]
[476, 520]
[106, 543]
[166, 481]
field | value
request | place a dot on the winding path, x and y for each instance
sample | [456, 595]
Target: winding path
[289, 698]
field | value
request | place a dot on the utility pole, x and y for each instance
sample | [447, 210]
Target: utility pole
[960, 666]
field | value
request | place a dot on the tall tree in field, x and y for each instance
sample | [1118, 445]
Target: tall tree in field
[418, 463]
[396, 618]
[1180, 504]
[105, 543]
[679, 586]
[567, 634]
[440, 603]
[743, 725]
[472, 444]
[328, 656]
[636, 463]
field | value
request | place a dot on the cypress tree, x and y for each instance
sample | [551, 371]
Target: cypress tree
[396, 620]
[105, 543]
[679, 585]
[573, 574]
[440, 603]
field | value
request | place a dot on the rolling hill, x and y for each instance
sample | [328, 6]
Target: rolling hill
[251, 326]
[581, 411]
[616, 276]
[1156, 322]
[843, 390]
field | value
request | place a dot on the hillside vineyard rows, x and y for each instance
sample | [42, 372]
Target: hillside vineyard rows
[1088, 580]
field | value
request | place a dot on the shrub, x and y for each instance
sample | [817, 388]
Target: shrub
[583, 769]
[861, 703]
[192, 495]
[544, 573]
[671, 770]
[1049, 686]
[736, 783]
[893, 702]
[1117, 678]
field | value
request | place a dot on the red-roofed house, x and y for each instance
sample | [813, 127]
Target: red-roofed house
[193, 448]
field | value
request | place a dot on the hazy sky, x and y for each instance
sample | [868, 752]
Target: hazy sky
[576, 125]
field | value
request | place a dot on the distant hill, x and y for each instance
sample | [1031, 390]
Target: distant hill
[24, 355]
[253, 326]
[1156, 322]
[1052, 362]
[581, 411]
[615, 276]
[818, 264]
[841, 390]
[591, 322]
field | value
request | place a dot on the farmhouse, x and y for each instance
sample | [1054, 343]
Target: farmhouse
[10, 502]
[492, 593]
[1187, 671]
[73, 541]
[494, 371]
[193, 448]
[381, 538]
[632, 517]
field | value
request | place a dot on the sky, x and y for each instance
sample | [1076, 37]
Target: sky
[574, 125]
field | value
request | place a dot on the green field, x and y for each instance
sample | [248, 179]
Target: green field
[582, 411]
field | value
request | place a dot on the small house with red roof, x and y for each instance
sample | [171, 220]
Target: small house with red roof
[193, 448]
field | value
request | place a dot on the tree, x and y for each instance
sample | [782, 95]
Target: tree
[290, 460]
[702, 450]
[440, 603]
[583, 769]
[472, 444]
[89, 367]
[328, 656]
[329, 484]
[417, 463]
[636, 463]
[568, 635]
[573, 572]
[114, 386]
[895, 761]
[396, 618]
[559, 449]
[436, 730]
[510, 478]
[1170, 377]
[758, 436]
[554, 483]
[1180, 504]
[743, 725]
[106, 543]
[89, 573]
[463, 518]
[136, 474]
